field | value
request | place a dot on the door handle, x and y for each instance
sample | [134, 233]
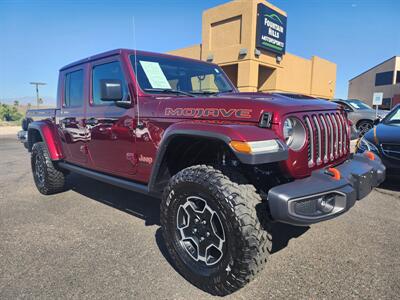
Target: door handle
[92, 122]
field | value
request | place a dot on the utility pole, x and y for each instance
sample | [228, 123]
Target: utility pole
[38, 100]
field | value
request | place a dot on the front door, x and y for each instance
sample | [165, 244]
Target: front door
[111, 146]
[71, 117]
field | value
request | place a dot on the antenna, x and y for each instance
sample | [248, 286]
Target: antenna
[138, 123]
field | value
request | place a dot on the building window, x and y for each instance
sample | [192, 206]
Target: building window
[386, 103]
[384, 78]
[398, 77]
[73, 89]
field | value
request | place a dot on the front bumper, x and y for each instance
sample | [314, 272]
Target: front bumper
[320, 197]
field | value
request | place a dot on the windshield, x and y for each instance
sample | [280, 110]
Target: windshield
[164, 74]
[393, 117]
[358, 104]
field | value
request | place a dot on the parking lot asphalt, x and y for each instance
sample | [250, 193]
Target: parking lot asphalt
[96, 241]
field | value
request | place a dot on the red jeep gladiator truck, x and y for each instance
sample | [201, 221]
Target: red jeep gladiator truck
[225, 164]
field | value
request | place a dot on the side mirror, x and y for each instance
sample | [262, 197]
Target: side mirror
[111, 90]
[376, 121]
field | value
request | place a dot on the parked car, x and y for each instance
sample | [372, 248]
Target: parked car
[225, 164]
[384, 141]
[361, 114]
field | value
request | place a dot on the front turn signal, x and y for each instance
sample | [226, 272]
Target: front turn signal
[241, 146]
[256, 147]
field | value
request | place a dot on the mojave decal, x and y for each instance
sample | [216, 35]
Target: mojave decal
[242, 113]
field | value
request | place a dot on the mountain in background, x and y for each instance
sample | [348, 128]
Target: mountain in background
[48, 101]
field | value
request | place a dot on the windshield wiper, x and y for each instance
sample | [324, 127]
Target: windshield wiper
[210, 93]
[169, 91]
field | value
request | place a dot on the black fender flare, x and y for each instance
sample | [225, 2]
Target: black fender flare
[251, 159]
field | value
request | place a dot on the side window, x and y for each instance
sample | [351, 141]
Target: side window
[73, 89]
[346, 106]
[106, 71]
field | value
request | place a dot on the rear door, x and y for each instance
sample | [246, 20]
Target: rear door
[71, 118]
[111, 128]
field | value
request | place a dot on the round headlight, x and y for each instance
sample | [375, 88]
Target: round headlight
[294, 133]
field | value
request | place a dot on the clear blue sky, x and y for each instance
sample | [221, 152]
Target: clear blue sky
[38, 37]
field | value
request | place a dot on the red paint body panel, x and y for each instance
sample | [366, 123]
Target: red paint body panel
[117, 146]
[50, 136]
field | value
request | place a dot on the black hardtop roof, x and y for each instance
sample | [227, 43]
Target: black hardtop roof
[119, 52]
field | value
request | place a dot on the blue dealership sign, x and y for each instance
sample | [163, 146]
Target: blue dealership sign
[271, 29]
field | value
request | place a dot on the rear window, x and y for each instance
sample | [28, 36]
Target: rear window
[73, 89]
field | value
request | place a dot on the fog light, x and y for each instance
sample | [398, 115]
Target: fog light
[326, 203]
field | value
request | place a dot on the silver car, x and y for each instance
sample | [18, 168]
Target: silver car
[361, 114]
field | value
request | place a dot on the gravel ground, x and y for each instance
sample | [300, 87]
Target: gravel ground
[97, 241]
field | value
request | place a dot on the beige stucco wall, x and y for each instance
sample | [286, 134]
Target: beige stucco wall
[363, 86]
[190, 52]
[230, 27]
[323, 77]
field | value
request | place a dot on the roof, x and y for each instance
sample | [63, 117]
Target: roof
[374, 67]
[119, 52]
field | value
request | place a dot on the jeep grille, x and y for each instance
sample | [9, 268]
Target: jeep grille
[327, 137]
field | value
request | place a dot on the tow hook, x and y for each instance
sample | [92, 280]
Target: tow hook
[335, 173]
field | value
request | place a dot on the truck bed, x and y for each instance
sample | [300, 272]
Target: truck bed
[40, 114]
[31, 116]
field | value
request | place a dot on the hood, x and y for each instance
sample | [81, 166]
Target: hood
[383, 113]
[384, 134]
[247, 107]
[371, 113]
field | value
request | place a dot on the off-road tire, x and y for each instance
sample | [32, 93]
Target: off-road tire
[247, 242]
[51, 180]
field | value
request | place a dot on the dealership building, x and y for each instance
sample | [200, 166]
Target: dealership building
[248, 40]
[383, 78]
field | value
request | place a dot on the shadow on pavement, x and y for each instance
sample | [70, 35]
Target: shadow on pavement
[283, 233]
[148, 209]
[138, 205]
[391, 183]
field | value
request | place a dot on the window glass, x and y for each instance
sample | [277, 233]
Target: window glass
[344, 105]
[74, 89]
[204, 83]
[157, 73]
[384, 78]
[358, 104]
[386, 103]
[108, 71]
[398, 77]
[393, 117]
